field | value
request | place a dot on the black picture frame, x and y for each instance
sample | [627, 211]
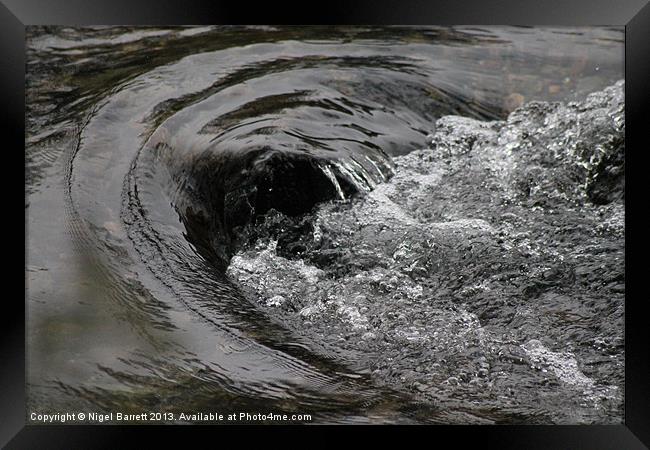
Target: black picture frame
[634, 15]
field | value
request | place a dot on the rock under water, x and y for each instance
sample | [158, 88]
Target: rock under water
[486, 276]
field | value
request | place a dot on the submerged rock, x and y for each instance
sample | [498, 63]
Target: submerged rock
[487, 275]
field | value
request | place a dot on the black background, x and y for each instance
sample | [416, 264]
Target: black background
[633, 14]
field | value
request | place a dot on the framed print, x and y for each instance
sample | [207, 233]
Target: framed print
[383, 216]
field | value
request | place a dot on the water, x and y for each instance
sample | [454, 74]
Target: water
[154, 154]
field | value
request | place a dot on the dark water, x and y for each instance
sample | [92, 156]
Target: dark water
[151, 153]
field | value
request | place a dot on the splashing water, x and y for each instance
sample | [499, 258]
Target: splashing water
[244, 219]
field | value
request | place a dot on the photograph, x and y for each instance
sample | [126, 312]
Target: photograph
[325, 224]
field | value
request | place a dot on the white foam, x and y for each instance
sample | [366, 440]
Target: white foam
[563, 365]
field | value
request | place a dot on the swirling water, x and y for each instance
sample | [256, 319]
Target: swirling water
[151, 152]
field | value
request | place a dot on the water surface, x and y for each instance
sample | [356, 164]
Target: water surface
[149, 151]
